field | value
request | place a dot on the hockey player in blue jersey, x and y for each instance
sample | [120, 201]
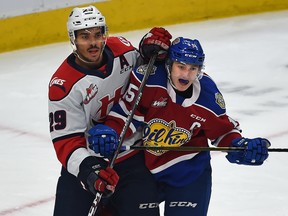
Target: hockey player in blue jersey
[180, 106]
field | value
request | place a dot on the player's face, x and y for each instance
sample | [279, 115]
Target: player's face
[183, 75]
[90, 44]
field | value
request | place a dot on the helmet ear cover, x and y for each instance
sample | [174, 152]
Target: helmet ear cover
[84, 18]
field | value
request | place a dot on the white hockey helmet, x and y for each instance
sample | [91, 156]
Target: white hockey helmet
[83, 18]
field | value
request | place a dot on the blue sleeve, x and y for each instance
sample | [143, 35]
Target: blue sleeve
[117, 109]
[156, 76]
[211, 97]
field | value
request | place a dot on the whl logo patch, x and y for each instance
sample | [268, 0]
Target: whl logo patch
[162, 102]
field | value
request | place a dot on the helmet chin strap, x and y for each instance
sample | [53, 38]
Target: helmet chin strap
[168, 66]
[88, 62]
[81, 59]
[171, 83]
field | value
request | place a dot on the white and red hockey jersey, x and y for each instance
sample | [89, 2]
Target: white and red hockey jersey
[79, 98]
[172, 120]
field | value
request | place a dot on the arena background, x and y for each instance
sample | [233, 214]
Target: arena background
[37, 22]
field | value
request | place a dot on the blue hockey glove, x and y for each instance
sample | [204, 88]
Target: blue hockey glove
[103, 140]
[255, 153]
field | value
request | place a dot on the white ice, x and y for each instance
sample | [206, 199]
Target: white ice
[247, 56]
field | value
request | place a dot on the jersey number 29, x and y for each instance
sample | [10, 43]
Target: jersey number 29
[57, 120]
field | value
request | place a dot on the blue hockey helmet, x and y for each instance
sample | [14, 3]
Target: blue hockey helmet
[186, 51]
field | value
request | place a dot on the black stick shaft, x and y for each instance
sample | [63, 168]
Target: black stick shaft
[133, 109]
[98, 196]
[196, 149]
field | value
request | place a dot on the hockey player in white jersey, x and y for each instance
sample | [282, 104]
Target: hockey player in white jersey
[81, 93]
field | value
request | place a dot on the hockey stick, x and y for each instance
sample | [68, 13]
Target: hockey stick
[197, 149]
[98, 196]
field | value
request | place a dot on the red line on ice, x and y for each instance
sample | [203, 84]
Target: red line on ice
[43, 201]
[28, 205]
[20, 132]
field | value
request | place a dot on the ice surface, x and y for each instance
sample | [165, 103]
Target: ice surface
[246, 56]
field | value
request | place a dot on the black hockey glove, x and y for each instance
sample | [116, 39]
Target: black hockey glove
[156, 41]
[96, 176]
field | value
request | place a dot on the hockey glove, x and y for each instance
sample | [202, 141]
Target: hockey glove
[96, 176]
[103, 140]
[255, 152]
[156, 41]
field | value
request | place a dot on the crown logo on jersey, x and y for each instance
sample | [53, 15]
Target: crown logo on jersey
[161, 133]
[220, 100]
[91, 91]
[143, 68]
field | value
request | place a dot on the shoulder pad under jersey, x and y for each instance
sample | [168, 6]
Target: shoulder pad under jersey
[158, 75]
[62, 81]
[119, 45]
[210, 96]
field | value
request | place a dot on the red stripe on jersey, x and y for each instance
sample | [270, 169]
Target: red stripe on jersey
[226, 141]
[65, 147]
[119, 45]
[63, 79]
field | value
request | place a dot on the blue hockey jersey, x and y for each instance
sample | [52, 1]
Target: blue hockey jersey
[172, 120]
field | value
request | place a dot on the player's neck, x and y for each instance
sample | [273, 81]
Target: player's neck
[88, 64]
[187, 93]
